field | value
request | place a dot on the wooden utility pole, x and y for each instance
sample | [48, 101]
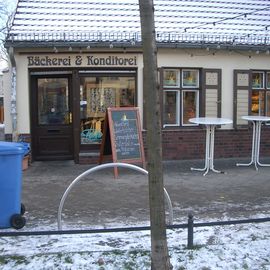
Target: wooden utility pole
[159, 250]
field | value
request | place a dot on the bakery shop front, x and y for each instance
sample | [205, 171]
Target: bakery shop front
[69, 95]
[70, 62]
[62, 96]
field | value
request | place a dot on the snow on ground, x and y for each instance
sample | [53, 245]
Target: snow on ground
[229, 247]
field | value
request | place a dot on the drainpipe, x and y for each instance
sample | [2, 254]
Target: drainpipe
[13, 105]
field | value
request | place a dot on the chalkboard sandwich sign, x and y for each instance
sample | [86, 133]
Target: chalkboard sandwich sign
[123, 136]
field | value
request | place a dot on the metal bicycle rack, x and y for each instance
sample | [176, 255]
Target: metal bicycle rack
[98, 168]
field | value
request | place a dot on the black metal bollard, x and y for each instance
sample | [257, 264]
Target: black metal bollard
[190, 231]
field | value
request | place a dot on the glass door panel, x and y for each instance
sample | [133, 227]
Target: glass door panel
[53, 101]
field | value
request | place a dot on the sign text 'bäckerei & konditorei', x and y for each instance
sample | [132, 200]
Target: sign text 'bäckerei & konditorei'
[78, 60]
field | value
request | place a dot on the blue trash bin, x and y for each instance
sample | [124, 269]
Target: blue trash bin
[26, 147]
[11, 208]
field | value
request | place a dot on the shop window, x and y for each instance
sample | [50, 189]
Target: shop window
[268, 80]
[257, 80]
[260, 103]
[97, 93]
[181, 89]
[190, 78]
[267, 103]
[171, 78]
[171, 108]
[190, 106]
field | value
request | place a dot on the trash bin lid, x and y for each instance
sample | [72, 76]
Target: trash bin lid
[11, 148]
[26, 147]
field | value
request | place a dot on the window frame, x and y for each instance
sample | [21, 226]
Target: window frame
[264, 91]
[261, 83]
[197, 96]
[100, 73]
[267, 80]
[267, 113]
[196, 78]
[181, 88]
[175, 74]
[177, 108]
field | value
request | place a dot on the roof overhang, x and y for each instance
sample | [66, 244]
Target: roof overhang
[133, 40]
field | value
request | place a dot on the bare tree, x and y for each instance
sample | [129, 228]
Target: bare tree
[159, 250]
[6, 14]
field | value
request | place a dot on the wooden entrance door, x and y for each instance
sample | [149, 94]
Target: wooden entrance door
[52, 132]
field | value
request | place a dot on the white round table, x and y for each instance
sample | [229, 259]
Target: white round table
[210, 123]
[256, 139]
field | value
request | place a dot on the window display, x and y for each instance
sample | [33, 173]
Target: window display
[97, 93]
[180, 103]
[257, 100]
[257, 80]
[267, 104]
[268, 80]
[260, 104]
[171, 107]
[190, 78]
[189, 107]
[171, 78]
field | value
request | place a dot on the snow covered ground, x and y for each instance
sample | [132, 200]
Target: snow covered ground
[113, 204]
[244, 246]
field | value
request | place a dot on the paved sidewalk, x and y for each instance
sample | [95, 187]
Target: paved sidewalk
[101, 200]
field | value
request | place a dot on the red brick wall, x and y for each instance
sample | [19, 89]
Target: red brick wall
[180, 144]
[190, 143]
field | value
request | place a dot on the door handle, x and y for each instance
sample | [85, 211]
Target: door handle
[70, 117]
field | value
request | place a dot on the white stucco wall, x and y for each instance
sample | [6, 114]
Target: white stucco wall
[23, 108]
[226, 61]
[7, 98]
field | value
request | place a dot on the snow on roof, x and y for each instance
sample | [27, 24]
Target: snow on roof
[192, 21]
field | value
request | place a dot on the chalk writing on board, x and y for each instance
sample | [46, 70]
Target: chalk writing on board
[127, 141]
[122, 137]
